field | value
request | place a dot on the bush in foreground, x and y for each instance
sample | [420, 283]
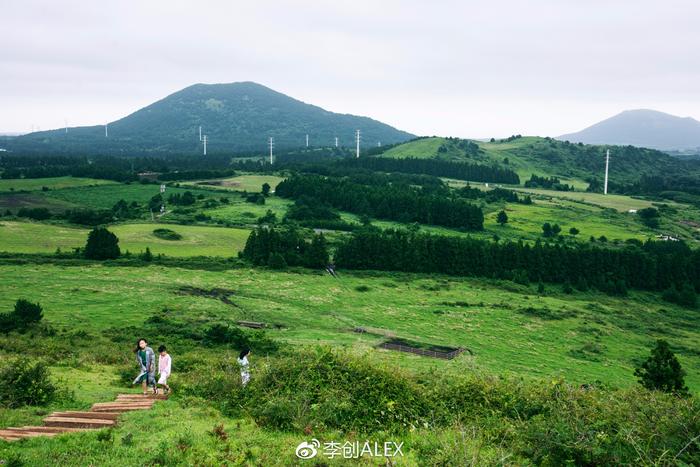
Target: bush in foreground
[25, 382]
[545, 423]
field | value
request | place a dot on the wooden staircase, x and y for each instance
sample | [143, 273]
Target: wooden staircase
[101, 415]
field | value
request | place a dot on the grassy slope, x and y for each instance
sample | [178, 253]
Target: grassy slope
[573, 164]
[104, 197]
[248, 182]
[420, 149]
[156, 433]
[53, 183]
[178, 432]
[30, 237]
[597, 338]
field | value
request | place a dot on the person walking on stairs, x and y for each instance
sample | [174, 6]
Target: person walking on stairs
[146, 359]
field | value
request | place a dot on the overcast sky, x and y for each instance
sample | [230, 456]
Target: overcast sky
[455, 68]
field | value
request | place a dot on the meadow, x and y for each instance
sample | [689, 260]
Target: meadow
[524, 349]
[104, 197]
[34, 237]
[45, 184]
[509, 328]
[243, 182]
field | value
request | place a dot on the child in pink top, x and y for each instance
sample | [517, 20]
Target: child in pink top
[164, 362]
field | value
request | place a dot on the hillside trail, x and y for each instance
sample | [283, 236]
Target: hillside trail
[101, 415]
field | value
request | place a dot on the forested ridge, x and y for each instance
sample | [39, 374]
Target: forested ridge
[403, 203]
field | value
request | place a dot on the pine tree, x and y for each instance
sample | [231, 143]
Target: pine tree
[316, 256]
[102, 244]
[502, 218]
[277, 261]
[662, 371]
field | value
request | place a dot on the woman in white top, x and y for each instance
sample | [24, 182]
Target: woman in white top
[243, 362]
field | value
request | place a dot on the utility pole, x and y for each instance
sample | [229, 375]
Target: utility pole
[272, 145]
[307, 140]
[200, 132]
[336, 141]
[357, 143]
[106, 131]
[607, 165]
[204, 140]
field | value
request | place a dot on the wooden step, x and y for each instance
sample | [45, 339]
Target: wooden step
[119, 408]
[98, 415]
[25, 433]
[126, 402]
[10, 436]
[135, 397]
[78, 422]
[48, 429]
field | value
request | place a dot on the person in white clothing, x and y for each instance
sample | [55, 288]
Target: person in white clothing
[164, 366]
[243, 362]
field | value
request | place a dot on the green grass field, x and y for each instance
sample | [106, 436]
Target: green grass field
[54, 183]
[420, 149]
[31, 237]
[104, 197]
[240, 212]
[581, 337]
[248, 182]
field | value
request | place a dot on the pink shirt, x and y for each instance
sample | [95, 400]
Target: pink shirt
[164, 364]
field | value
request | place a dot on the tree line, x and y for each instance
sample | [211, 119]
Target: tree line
[649, 266]
[287, 247]
[438, 168]
[495, 195]
[402, 203]
[550, 183]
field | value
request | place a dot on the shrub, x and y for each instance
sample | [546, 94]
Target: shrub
[24, 315]
[224, 334]
[324, 388]
[167, 234]
[269, 218]
[23, 382]
[27, 313]
[146, 255]
[38, 214]
[686, 296]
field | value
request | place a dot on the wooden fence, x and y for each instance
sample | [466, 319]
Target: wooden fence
[425, 352]
[251, 324]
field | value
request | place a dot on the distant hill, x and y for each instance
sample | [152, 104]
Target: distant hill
[544, 156]
[644, 128]
[236, 117]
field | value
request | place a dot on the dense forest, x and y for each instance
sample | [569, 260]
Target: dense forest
[373, 197]
[649, 266]
[279, 249]
[438, 168]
